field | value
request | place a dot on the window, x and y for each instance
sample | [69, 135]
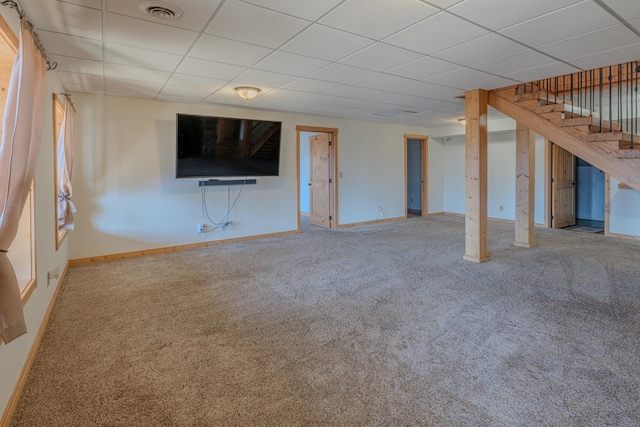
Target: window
[22, 250]
[58, 117]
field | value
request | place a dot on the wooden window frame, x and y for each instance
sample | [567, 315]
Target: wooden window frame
[58, 117]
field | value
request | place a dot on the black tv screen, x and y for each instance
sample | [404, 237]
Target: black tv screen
[208, 147]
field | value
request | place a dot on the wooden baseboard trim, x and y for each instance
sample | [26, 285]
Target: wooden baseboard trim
[12, 405]
[304, 214]
[435, 214]
[135, 254]
[375, 221]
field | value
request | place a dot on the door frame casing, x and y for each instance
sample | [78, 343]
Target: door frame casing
[333, 168]
[424, 148]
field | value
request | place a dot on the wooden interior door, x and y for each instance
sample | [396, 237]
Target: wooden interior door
[319, 179]
[563, 187]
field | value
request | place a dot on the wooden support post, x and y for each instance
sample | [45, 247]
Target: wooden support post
[525, 186]
[476, 176]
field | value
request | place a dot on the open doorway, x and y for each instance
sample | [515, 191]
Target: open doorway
[416, 160]
[317, 165]
[577, 193]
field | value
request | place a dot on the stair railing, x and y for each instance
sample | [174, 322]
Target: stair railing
[610, 92]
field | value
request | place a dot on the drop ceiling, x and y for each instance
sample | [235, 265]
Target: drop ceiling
[395, 61]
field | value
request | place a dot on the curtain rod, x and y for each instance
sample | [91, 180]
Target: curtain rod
[13, 5]
[68, 97]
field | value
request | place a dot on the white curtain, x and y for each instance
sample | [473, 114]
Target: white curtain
[21, 133]
[64, 159]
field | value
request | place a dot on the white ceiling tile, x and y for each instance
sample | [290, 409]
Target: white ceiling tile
[70, 87]
[571, 21]
[145, 58]
[424, 68]
[442, 3]
[67, 18]
[148, 35]
[311, 85]
[495, 82]
[96, 4]
[225, 95]
[436, 33]
[545, 71]
[72, 46]
[635, 24]
[516, 62]
[192, 86]
[381, 81]
[504, 13]
[481, 49]
[306, 9]
[423, 89]
[325, 43]
[290, 63]
[77, 65]
[355, 103]
[124, 72]
[349, 91]
[355, 16]
[177, 98]
[80, 79]
[195, 82]
[326, 99]
[211, 69]
[593, 42]
[131, 88]
[339, 73]
[251, 24]
[609, 57]
[265, 78]
[228, 51]
[465, 78]
[382, 96]
[196, 12]
[628, 9]
[380, 57]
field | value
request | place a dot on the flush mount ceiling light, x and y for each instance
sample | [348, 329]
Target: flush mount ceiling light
[463, 122]
[161, 10]
[247, 92]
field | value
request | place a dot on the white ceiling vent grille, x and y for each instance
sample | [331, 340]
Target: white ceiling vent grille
[161, 10]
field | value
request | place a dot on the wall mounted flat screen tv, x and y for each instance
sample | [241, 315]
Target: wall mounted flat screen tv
[209, 147]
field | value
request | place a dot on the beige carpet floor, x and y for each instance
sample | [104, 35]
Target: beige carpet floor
[378, 325]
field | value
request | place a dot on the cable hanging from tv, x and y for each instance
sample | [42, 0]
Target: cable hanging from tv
[226, 221]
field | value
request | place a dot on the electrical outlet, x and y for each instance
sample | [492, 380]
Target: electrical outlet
[501, 208]
[53, 275]
[203, 228]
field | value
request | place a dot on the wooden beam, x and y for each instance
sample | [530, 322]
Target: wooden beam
[476, 176]
[525, 186]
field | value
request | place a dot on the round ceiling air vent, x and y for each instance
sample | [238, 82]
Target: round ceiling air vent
[161, 10]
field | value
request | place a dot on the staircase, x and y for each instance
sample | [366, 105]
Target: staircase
[577, 122]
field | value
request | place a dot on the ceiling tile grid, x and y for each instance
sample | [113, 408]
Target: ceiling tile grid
[341, 58]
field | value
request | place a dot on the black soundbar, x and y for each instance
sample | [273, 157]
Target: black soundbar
[225, 182]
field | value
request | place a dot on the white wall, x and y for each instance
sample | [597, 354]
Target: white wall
[624, 208]
[501, 175]
[129, 199]
[14, 355]
[436, 173]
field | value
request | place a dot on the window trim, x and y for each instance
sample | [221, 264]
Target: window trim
[58, 106]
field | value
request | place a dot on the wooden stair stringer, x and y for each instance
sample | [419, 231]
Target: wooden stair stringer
[601, 154]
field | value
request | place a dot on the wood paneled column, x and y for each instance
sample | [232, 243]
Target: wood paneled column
[476, 176]
[525, 186]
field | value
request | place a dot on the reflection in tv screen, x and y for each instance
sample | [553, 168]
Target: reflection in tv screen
[209, 147]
